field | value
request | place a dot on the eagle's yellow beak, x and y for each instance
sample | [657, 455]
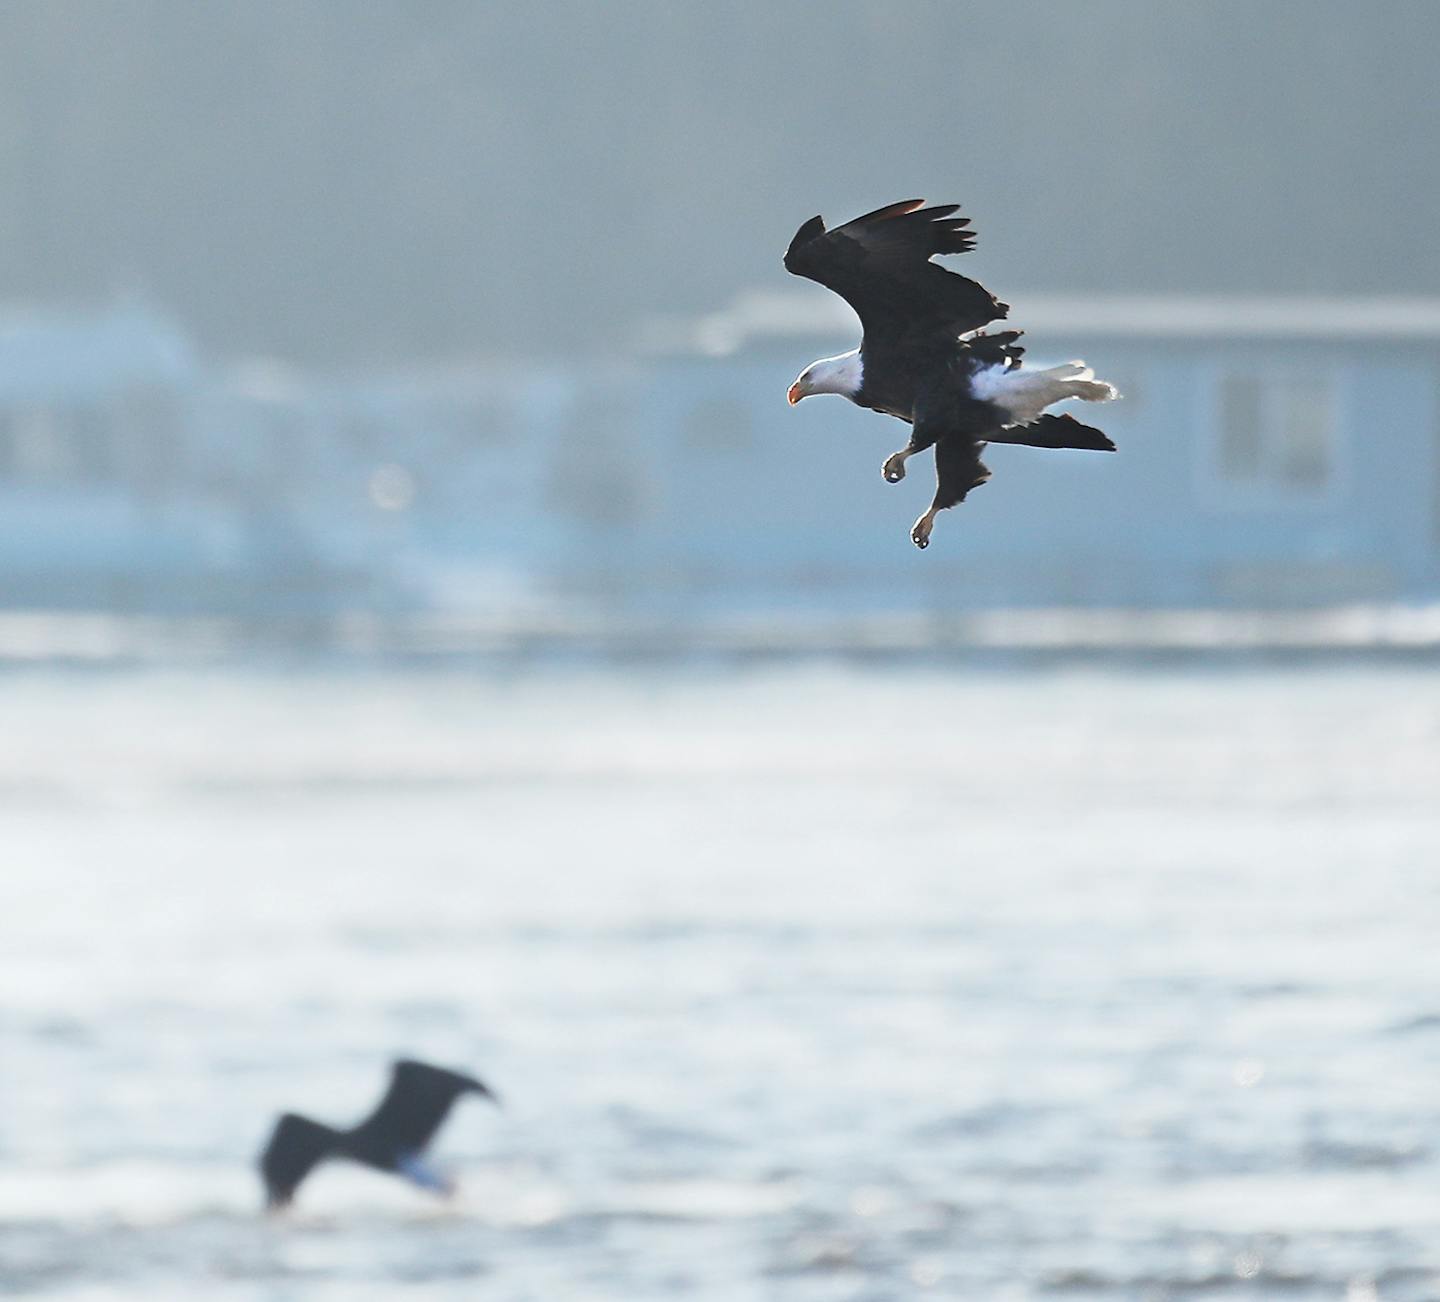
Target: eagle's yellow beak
[795, 394]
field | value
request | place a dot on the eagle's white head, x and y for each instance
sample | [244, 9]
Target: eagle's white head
[840, 375]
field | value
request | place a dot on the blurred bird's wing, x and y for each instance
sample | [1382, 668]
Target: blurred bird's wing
[296, 1147]
[880, 265]
[416, 1104]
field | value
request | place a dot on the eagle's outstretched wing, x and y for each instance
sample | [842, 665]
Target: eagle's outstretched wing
[297, 1145]
[880, 265]
[415, 1105]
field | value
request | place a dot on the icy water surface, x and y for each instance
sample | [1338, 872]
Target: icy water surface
[811, 984]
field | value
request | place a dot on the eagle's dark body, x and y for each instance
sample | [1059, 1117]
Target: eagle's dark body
[925, 357]
[392, 1138]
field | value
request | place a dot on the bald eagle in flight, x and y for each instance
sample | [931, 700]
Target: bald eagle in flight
[924, 356]
[392, 1138]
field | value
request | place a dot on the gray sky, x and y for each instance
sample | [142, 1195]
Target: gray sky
[346, 182]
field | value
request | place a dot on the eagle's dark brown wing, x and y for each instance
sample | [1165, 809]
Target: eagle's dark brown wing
[297, 1145]
[414, 1106]
[880, 265]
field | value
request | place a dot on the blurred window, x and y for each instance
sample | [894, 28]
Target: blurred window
[93, 443]
[1277, 432]
[150, 428]
[719, 425]
[7, 443]
[597, 477]
[40, 446]
[365, 436]
[483, 421]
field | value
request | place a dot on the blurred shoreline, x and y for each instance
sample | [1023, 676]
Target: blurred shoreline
[104, 639]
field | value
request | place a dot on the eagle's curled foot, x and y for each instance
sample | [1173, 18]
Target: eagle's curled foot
[894, 467]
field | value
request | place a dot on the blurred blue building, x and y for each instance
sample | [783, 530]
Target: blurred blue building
[137, 476]
[1273, 454]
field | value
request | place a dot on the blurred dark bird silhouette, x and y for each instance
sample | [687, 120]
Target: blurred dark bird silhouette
[923, 356]
[392, 1138]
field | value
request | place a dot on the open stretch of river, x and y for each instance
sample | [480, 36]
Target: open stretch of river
[801, 984]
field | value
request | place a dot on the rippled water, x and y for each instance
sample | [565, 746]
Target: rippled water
[811, 984]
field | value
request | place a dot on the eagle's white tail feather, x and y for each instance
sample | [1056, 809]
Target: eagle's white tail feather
[1026, 394]
[1092, 390]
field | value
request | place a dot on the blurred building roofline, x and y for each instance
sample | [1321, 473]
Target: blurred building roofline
[50, 348]
[756, 315]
